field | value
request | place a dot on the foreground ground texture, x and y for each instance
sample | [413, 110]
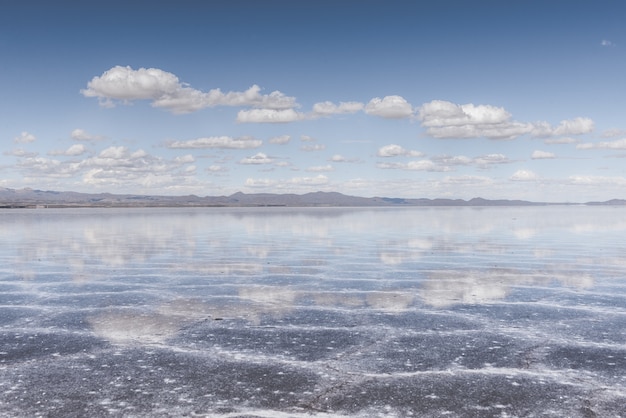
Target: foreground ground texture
[287, 314]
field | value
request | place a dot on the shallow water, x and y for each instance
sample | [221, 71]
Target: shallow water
[275, 312]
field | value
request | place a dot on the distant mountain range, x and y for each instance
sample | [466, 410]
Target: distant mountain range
[25, 198]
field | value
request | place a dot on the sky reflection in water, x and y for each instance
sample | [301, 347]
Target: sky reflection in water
[146, 273]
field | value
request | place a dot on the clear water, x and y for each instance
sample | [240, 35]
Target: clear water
[313, 311]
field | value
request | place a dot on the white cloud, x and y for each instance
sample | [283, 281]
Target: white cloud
[225, 142]
[606, 42]
[307, 138]
[313, 147]
[19, 152]
[320, 168]
[420, 165]
[279, 140]
[449, 120]
[250, 182]
[165, 90]
[268, 116]
[486, 160]
[524, 175]
[540, 155]
[576, 126]
[329, 108]
[24, 138]
[338, 158]
[82, 135]
[618, 144]
[389, 107]
[259, 158]
[72, 151]
[580, 180]
[216, 168]
[184, 159]
[310, 181]
[453, 160]
[394, 150]
[564, 140]
[444, 119]
[612, 133]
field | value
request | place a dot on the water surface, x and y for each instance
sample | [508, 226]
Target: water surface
[517, 311]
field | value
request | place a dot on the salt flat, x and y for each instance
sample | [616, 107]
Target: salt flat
[270, 312]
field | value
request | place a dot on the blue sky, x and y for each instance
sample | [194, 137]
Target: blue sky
[498, 99]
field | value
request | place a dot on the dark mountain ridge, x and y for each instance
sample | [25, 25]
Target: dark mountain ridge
[16, 198]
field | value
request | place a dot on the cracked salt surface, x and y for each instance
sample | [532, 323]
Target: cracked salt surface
[327, 312]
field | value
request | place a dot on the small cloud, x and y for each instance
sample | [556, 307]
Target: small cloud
[313, 147]
[82, 135]
[524, 175]
[19, 152]
[74, 150]
[394, 150]
[618, 144]
[224, 142]
[250, 182]
[612, 133]
[269, 116]
[542, 155]
[280, 140]
[259, 158]
[320, 168]
[389, 107]
[184, 159]
[307, 138]
[310, 181]
[216, 168]
[564, 140]
[606, 42]
[24, 138]
[329, 108]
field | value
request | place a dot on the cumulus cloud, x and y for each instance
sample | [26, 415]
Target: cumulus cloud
[329, 108]
[563, 140]
[606, 42]
[394, 150]
[618, 144]
[443, 119]
[310, 181]
[541, 155]
[280, 140]
[313, 147]
[389, 107]
[259, 158]
[453, 160]
[269, 116]
[224, 142]
[338, 158]
[524, 175]
[489, 159]
[320, 168]
[165, 90]
[612, 133]
[576, 126]
[420, 165]
[216, 168]
[72, 151]
[24, 138]
[19, 152]
[82, 135]
[250, 182]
